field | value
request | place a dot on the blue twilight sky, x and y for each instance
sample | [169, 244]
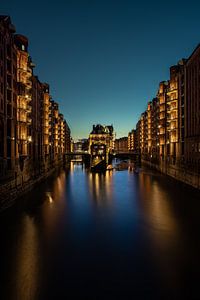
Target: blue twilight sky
[104, 59]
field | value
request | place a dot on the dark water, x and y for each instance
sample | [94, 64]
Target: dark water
[119, 235]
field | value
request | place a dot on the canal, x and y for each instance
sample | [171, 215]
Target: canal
[118, 235]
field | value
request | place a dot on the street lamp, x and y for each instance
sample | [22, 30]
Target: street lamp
[22, 157]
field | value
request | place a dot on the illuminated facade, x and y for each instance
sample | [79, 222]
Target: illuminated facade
[172, 125]
[24, 97]
[33, 133]
[168, 132]
[162, 95]
[101, 142]
[137, 137]
[121, 145]
[67, 138]
[132, 140]
[81, 145]
[153, 129]
[54, 114]
[144, 134]
[171, 116]
[45, 120]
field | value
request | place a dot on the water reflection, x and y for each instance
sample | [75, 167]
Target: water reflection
[113, 232]
[156, 206]
[101, 187]
[54, 206]
[26, 261]
[165, 235]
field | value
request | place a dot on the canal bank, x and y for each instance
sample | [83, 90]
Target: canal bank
[16, 188]
[178, 172]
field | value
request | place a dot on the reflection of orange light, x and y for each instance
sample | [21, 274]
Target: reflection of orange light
[59, 184]
[100, 187]
[50, 199]
[161, 212]
[96, 184]
[27, 261]
[108, 184]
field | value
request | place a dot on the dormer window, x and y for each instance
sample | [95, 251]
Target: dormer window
[23, 48]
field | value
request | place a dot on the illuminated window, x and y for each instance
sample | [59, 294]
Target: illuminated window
[23, 47]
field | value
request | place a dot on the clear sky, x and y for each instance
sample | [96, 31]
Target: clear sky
[104, 59]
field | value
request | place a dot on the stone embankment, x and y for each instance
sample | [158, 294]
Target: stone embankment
[179, 173]
[14, 189]
[11, 191]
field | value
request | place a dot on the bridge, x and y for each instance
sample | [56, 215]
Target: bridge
[77, 153]
[70, 156]
[90, 161]
[126, 155]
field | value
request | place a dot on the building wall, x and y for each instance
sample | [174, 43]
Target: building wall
[121, 144]
[102, 135]
[168, 132]
[192, 109]
[36, 128]
[8, 98]
[24, 98]
[132, 140]
[181, 110]
[144, 134]
[162, 95]
[67, 140]
[33, 133]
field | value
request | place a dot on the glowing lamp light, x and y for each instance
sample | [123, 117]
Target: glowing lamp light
[29, 139]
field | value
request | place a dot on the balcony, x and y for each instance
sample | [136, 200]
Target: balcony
[29, 108]
[171, 90]
[173, 129]
[173, 108]
[173, 118]
[29, 120]
[173, 99]
[21, 120]
[162, 117]
[21, 108]
[29, 72]
[28, 97]
[29, 83]
[162, 108]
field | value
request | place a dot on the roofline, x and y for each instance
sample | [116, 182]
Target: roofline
[197, 47]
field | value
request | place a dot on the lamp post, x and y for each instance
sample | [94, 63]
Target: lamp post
[22, 156]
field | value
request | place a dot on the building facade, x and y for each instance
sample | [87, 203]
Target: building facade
[132, 140]
[33, 132]
[101, 142]
[192, 110]
[8, 98]
[168, 132]
[121, 145]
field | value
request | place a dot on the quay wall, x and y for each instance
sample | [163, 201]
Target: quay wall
[23, 183]
[177, 172]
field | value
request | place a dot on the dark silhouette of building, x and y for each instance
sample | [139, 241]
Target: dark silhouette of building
[192, 108]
